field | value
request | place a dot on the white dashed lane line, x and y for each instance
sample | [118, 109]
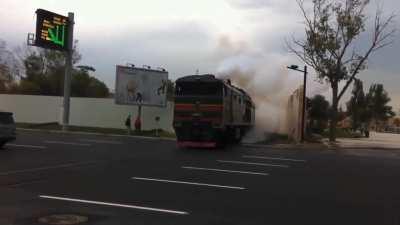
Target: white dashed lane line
[252, 163]
[272, 158]
[188, 183]
[101, 141]
[113, 204]
[67, 143]
[26, 146]
[224, 171]
[12, 172]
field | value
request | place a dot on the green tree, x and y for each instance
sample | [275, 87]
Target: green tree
[378, 99]
[331, 31]
[97, 89]
[83, 85]
[27, 87]
[46, 69]
[45, 76]
[318, 113]
[79, 83]
[357, 105]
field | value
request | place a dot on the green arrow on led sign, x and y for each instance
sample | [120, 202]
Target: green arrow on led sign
[56, 37]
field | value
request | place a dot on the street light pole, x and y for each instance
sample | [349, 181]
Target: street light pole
[303, 114]
[303, 122]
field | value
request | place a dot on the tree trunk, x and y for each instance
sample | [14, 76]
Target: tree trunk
[334, 112]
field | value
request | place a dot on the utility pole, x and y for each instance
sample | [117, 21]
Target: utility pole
[68, 72]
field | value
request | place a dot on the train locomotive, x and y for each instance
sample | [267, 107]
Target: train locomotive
[210, 112]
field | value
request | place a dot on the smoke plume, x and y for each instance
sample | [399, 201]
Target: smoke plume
[264, 77]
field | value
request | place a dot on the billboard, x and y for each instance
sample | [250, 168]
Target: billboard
[140, 86]
[51, 30]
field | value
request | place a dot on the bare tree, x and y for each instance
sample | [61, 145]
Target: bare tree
[10, 67]
[331, 31]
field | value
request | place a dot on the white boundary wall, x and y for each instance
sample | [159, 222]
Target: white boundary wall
[89, 112]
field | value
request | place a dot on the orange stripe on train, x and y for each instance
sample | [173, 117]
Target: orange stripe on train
[202, 107]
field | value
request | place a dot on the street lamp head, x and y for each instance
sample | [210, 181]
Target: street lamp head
[293, 67]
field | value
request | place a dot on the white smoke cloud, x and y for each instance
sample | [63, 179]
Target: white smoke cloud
[264, 76]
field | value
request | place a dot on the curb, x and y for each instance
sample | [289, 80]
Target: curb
[94, 133]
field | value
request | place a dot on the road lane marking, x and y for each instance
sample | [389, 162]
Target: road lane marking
[190, 183]
[101, 141]
[228, 171]
[252, 163]
[27, 146]
[15, 185]
[66, 143]
[113, 204]
[46, 168]
[273, 158]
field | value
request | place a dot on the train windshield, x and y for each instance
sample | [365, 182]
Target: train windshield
[199, 88]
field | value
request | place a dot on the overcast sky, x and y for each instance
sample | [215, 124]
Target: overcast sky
[182, 36]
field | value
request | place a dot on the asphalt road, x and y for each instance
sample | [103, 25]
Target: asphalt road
[122, 180]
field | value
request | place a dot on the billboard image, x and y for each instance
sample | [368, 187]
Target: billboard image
[140, 86]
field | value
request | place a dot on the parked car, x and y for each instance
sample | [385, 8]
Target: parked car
[7, 128]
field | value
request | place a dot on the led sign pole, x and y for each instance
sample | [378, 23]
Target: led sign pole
[68, 71]
[55, 32]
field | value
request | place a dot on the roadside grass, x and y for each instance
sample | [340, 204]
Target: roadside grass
[343, 133]
[100, 130]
